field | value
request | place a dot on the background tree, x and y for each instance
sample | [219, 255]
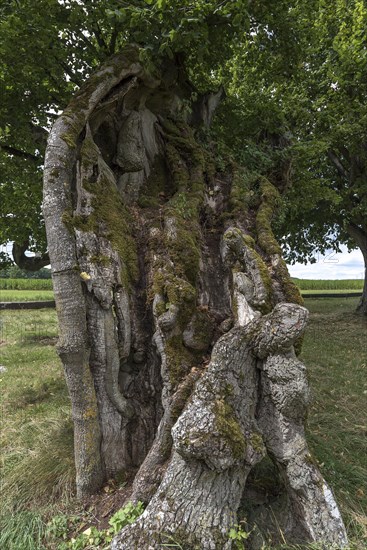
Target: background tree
[317, 96]
[332, 126]
[178, 318]
[47, 49]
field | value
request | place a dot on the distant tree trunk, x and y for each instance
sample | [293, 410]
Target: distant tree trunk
[362, 306]
[178, 319]
[359, 235]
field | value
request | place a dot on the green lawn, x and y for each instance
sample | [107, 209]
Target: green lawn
[37, 470]
[335, 352]
[36, 437]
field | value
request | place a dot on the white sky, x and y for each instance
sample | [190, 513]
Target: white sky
[346, 265]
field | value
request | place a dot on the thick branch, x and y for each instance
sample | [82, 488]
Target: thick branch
[338, 165]
[70, 73]
[205, 106]
[18, 153]
[25, 262]
[99, 37]
[359, 235]
[59, 161]
[113, 40]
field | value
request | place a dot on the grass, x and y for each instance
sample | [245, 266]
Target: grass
[37, 470]
[37, 465]
[11, 295]
[335, 352]
[23, 531]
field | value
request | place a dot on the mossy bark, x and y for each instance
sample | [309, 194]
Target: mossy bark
[173, 300]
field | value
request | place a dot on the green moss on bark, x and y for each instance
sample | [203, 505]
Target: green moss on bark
[101, 260]
[257, 443]
[179, 359]
[113, 218]
[69, 139]
[229, 428]
[109, 218]
[155, 188]
[237, 241]
[270, 199]
[180, 213]
[176, 290]
[241, 191]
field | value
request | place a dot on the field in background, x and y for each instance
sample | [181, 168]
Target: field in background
[25, 284]
[332, 285]
[37, 444]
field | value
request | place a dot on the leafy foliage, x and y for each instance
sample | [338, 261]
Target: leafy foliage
[125, 516]
[238, 535]
[47, 49]
[326, 106]
[46, 57]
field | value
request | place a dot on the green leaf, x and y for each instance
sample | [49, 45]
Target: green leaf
[237, 20]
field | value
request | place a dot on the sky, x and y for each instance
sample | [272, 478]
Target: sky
[346, 265]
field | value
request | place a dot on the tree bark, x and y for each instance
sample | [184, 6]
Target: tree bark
[362, 306]
[178, 319]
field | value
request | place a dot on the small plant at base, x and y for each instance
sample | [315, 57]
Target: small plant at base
[91, 539]
[58, 527]
[238, 536]
[127, 515]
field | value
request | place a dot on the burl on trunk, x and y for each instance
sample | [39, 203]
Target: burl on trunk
[178, 319]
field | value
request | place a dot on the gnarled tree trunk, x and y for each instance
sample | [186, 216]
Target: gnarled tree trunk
[178, 320]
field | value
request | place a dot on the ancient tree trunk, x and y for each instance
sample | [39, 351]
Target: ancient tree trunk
[178, 320]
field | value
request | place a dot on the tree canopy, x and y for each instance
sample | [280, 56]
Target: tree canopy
[293, 73]
[48, 49]
[327, 109]
[315, 96]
